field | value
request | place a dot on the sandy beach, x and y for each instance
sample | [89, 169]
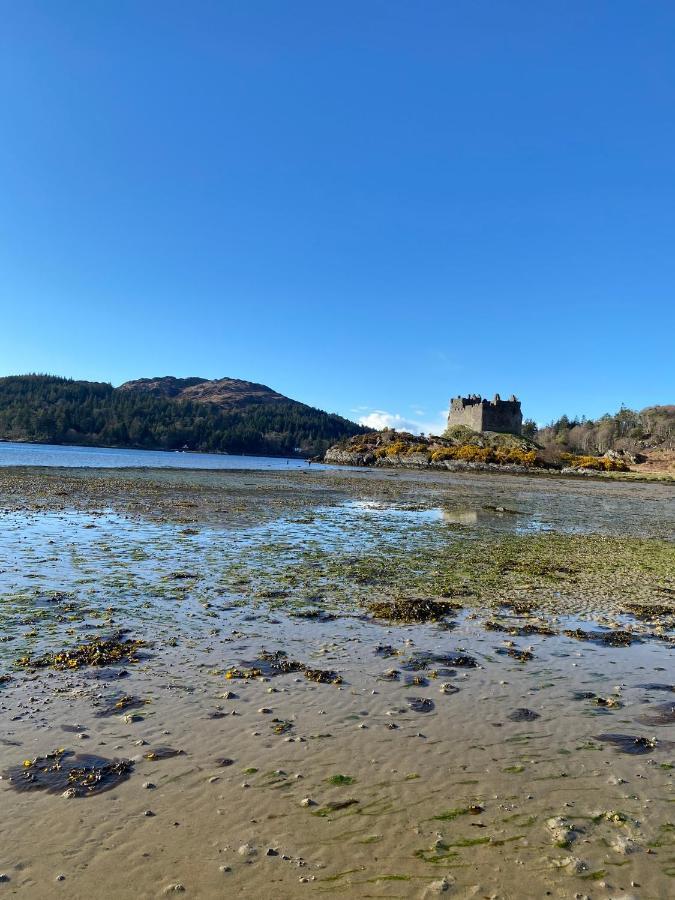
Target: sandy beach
[333, 682]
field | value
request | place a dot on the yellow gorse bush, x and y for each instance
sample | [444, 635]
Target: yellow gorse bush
[471, 453]
[596, 463]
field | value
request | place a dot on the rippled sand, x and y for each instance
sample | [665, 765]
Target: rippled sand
[500, 786]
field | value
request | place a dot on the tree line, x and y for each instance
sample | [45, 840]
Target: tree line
[47, 409]
[627, 429]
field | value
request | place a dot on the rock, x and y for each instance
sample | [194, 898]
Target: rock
[176, 888]
[442, 886]
[575, 865]
[625, 845]
[307, 802]
[271, 852]
[247, 850]
[149, 786]
[130, 718]
[562, 832]
[4, 877]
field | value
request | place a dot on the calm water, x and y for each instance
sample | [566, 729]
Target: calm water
[12, 454]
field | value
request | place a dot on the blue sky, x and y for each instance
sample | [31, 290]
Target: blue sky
[370, 206]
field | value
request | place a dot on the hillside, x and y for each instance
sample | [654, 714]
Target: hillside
[226, 415]
[644, 438]
[226, 393]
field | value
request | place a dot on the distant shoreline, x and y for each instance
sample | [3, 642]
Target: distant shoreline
[138, 449]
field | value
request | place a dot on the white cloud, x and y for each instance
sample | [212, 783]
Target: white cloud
[378, 419]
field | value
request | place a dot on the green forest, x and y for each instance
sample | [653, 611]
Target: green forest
[47, 409]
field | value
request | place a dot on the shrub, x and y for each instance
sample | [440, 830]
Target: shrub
[596, 463]
[471, 453]
[396, 448]
[417, 448]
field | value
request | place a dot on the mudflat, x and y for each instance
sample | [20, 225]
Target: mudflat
[352, 682]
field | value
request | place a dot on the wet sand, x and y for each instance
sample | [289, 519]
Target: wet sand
[414, 776]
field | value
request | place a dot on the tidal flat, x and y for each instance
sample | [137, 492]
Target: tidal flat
[335, 682]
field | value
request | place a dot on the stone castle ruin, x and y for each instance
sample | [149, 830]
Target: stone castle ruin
[480, 414]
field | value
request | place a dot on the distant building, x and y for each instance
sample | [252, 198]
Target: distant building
[486, 415]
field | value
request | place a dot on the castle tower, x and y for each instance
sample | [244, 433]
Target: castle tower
[480, 414]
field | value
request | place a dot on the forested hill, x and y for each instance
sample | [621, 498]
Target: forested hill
[227, 415]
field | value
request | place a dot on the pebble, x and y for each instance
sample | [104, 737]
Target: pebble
[4, 877]
[149, 813]
[271, 852]
[225, 868]
[149, 786]
[176, 888]
[265, 709]
[247, 850]
[307, 802]
[439, 887]
[130, 718]
[625, 845]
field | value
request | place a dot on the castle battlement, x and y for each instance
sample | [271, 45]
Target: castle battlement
[481, 414]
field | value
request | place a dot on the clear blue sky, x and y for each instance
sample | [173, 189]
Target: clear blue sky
[366, 205]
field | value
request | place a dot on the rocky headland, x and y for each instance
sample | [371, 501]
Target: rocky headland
[460, 448]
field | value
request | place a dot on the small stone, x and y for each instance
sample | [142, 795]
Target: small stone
[69, 793]
[271, 852]
[307, 802]
[176, 888]
[265, 710]
[247, 850]
[439, 887]
[625, 845]
[4, 877]
[148, 813]
[225, 868]
[149, 786]
[60, 877]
